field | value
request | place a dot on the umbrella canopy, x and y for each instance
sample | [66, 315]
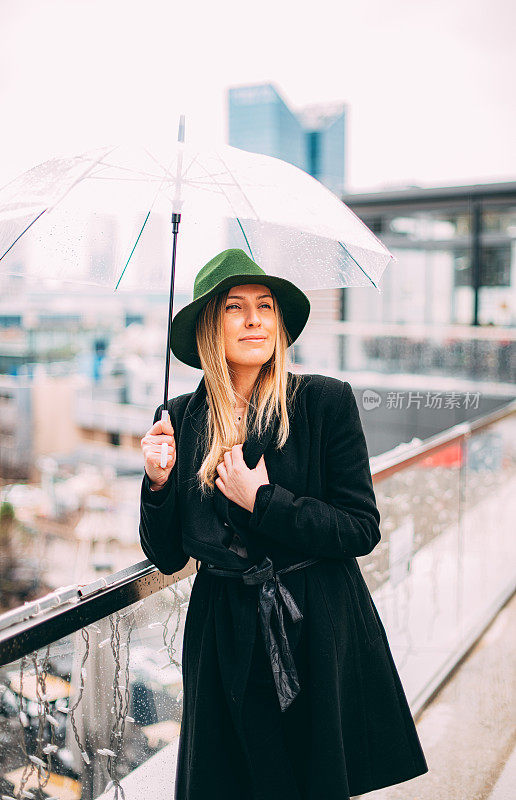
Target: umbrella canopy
[86, 216]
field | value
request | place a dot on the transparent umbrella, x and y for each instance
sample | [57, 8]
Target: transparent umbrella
[84, 218]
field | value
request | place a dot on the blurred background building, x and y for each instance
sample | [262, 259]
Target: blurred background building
[312, 138]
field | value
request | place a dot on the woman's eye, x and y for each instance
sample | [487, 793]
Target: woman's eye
[234, 305]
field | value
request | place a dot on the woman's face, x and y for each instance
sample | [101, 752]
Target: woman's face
[249, 311]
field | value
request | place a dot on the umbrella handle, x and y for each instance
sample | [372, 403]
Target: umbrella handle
[164, 447]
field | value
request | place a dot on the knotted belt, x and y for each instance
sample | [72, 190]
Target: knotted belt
[272, 596]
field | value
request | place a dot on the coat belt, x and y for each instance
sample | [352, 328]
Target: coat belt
[272, 597]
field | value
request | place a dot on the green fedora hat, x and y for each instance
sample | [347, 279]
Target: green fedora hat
[231, 268]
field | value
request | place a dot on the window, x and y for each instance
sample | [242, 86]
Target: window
[495, 265]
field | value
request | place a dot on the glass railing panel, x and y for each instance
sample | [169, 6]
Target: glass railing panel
[445, 563]
[91, 707]
[416, 504]
[487, 544]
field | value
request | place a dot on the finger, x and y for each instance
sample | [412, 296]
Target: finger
[237, 455]
[162, 426]
[228, 459]
[155, 455]
[160, 439]
[220, 484]
[155, 461]
[153, 458]
[155, 449]
[221, 469]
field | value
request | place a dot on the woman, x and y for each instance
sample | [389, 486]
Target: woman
[290, 689]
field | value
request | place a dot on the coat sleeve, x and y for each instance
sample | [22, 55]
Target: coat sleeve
[160, 528]
[347, 522]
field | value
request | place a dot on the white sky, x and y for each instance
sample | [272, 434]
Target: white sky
[429, 85]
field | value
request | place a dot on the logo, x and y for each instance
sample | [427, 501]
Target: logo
[371, 399]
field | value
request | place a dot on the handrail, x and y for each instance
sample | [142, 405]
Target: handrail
[399, 458]
[419, 330]
[69, 608]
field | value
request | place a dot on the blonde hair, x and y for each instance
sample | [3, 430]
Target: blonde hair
[269, 395]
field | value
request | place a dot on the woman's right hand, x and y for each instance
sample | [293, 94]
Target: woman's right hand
[161, 431]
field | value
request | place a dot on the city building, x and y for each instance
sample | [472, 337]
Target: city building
[313, 138]
[456, 255]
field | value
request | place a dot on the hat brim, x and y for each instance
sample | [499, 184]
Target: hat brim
[294, 304]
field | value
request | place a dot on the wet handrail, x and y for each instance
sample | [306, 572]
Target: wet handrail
[399, 458]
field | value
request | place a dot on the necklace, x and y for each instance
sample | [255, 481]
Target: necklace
[236, 412]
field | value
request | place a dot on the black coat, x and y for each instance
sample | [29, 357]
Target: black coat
[349, 730]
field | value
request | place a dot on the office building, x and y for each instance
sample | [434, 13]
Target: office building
[312, 138]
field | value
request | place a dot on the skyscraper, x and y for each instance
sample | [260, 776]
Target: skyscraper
[325, 130]
[312, 139]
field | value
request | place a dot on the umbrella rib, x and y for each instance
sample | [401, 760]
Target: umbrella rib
[134, 248]
[222, 187]
[84, 175]
[240, 189]
[24, 231]
[152, 178]
[245, 237]
[187, 169]
[358, 265]
[163, 180]
[125, 169]
[185, 173]
[211, 185]
[143, 226]
[166, 170]
[198, 182]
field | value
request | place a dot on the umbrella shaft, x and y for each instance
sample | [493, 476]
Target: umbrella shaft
[176, 219]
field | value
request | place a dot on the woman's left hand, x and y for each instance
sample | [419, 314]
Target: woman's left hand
[237, 481]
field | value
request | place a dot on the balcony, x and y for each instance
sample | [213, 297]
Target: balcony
[433, 353]
[90, 675]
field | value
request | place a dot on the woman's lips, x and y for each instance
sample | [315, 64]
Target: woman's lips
[255, 341]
